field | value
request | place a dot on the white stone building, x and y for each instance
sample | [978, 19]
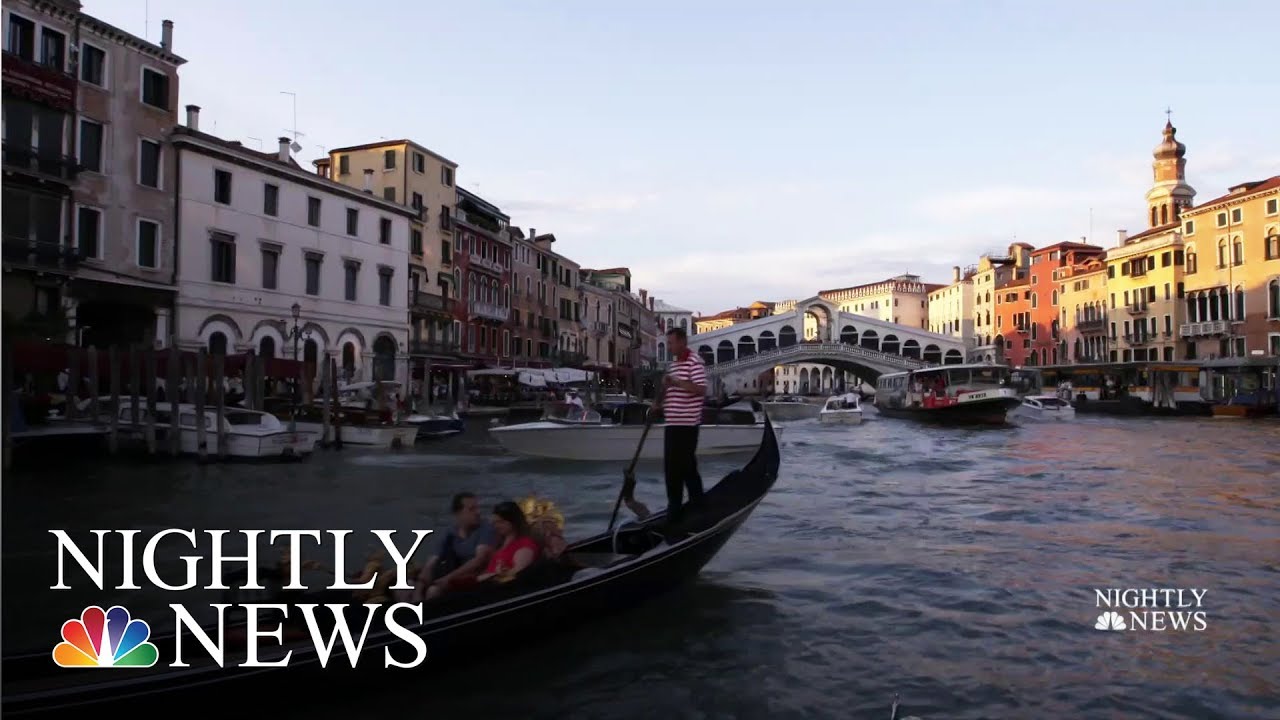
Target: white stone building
[669, 316]
[258, 236]
[951, 306]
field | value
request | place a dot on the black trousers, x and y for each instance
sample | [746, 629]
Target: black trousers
[680, 461]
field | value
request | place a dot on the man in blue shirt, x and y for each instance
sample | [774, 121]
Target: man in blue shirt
[460, 552]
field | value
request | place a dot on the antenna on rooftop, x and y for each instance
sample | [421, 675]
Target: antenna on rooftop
[294, 146]
[257, 140]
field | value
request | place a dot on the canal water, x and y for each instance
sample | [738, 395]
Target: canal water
[957, 568]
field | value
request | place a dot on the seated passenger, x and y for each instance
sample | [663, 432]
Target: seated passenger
[546, 524]
[460, 554]
[516, 547]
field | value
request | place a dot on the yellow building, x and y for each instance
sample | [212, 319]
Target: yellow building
[902, 299]
[1084, 308]
[1232, 306]
[951, 306]
[994, 270]
[408, 173]
[1145, 271]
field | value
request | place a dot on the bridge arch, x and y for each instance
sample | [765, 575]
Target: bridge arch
[890, 345]
[871, 339]
[849, 335]
[725, 352]
[911, 349]
[707, 354]
[766, 341]
[953, 357]
[746, 346]
[786, 336]
[824, 314]
[932, 354]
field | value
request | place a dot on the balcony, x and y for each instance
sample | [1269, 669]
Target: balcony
[1138, 308]
[1201, 329]
[488, 311]
[1088, 327]
[486, 264]
[484, 222]
[41, 163]
[39, 253]
[1137, 338]
[423, 302]
[433, 347]
[39, 83]
[1021, 328]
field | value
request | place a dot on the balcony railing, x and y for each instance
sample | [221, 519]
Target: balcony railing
[1138, 308]
[1198, 329]
[433, 347]
[39, 252]
[1137, 338]
[39, 83]
[486, 263]
[426, 302]
[488, 311]
[40, 162]
[1091, 326]
[481, 221]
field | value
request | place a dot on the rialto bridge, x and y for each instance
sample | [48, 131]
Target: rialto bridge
[866, 346]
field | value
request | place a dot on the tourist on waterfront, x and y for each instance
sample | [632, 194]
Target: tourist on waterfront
[684, 389]
[461, 553]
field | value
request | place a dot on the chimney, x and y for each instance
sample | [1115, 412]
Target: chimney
[166, 35]
[644, 297]
[533, 234]
[955, 273]
[368, 180]
[1122, 235]
[193, 117]
[284, 149]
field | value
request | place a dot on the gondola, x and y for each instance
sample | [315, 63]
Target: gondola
[599, 575]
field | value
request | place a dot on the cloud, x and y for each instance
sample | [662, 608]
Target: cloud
[582, 204]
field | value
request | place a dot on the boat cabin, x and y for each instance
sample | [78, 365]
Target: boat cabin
[943, 386]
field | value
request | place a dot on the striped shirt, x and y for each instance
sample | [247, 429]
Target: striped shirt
[679, 406]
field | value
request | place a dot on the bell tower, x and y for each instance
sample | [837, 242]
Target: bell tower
[1171, 194]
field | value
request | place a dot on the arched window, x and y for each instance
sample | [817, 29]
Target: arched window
[1239, 303]
[1273, 299]
[349, 361]
[1273, 245]
[1222, 253]
[217, 344]
[267, 347]
[384, 359]
[1164, 214]
[1237, 251]
[310, 352]
[1191, 260]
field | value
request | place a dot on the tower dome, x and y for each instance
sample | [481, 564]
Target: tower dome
[1169, 148]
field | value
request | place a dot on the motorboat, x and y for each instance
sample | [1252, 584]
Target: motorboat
[351, 424]
[249, 434]
[843, 409]
[627, 565]
[783, 408]
[975, 394]
[735, 428]
[1043, 408]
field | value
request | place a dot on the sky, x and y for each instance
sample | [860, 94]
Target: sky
[731, 151]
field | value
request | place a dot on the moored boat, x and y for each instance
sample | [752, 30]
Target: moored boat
[843, 409]
[600, 575]
[790, 407]
[249, 434]
[431, 425]
[977, 394]
[736, 428]
[1043, 408]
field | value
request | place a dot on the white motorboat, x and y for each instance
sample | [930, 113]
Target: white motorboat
[249, 433]
[435, 425]
[1043, 408]
[736, 428]
[843, 409]
[784, 408]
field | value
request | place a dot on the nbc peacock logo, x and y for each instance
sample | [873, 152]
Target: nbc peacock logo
[105, 639]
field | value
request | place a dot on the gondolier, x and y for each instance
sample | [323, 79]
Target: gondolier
[683, 391]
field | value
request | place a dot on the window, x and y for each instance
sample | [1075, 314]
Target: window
[1189, 227]
[419, 162]
[389, 194]
[270, 267]
[1273, 206]
[384, 231]
[155, 89]
[384, 285]
[1166, 291]
[223, 263]
[353, 221]
[1273, 299]
[1222, 253]
[344, 164]
[351, 270]
[313, 211]
[1237, 215]
[93, 65]
[270, 199]
[1237, 252]
[148, 244]
[149, 163]
[88, 232]
[90, 145]
[1191, 261]
[446, 257]
[21, 38]
[1166, 259]
[417, 201]
[389, 160]
[313, 261]
[222, 187]
[53, 49]
[446, 176]
[1222, 219]
[1168, 325]
[1273, 245]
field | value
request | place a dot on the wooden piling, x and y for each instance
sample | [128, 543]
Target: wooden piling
[424, 389]
[220, 400]
[260, 383]
[173, 374]
[202, 451]
[149, 382]
[135, 381]
[113, 364]
[247, 379]
[73, 384]
[332, 392]
[94, 385]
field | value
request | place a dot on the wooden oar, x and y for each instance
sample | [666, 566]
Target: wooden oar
[627, 493]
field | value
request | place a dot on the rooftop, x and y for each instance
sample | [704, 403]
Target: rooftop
[1240, 191]
[388, 143]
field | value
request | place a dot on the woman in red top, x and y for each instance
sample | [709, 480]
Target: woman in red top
[516, 547]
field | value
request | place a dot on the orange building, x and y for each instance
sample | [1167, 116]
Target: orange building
[1049, 266]
[1013, 320]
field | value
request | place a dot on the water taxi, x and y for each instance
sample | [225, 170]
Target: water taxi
[1132, 388]
[790, 407]
[841, 410]
[976, 394]
[1043, 408]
